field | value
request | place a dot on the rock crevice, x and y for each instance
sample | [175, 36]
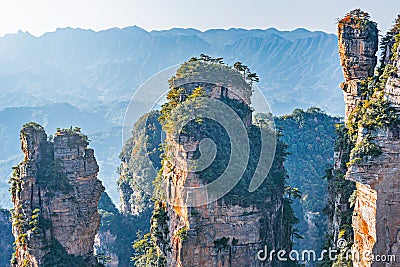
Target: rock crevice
[55, 193]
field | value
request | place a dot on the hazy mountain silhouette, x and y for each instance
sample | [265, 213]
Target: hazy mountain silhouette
[85, 68]
[96, 73]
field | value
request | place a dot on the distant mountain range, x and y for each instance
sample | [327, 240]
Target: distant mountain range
[85, 78]
[99, 70]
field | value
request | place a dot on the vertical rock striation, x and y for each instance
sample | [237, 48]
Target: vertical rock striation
[55, 192]
[233, 229]
[227, 232]
[358, 44]
[374, 159]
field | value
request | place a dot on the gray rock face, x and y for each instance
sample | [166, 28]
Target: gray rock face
[55, 192]
[358, 45]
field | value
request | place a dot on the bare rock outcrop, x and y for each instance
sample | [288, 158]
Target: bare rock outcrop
[358, 44]
[223, 232]
[55, 192]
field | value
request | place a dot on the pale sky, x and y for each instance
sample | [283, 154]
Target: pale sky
[40, 16]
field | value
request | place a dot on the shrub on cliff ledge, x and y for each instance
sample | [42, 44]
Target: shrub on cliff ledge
[360, 18]
[33, 125]
[374, 112]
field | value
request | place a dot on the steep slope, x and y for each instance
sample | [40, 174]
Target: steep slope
[374, 163]
[55, 192]
[140, 162]
[106, 139]
[369, 149]
[310, 136]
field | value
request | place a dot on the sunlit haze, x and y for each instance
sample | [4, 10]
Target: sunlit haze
[38, 17]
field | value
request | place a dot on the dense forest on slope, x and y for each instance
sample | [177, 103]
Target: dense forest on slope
[310, 136]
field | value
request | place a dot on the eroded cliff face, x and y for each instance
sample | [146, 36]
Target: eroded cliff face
[55, 192]
[358, 44]
[229, 231]
[374, 159]
[222, 233]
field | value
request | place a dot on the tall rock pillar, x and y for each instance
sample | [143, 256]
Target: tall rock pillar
[376, 220]
[358, 45]
[55, 192]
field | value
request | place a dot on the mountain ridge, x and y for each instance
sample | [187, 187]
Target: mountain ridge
[98, 72]
[107, 66]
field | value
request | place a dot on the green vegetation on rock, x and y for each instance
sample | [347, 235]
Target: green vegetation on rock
[310, 135]
[141, 162]
[122, 227]
[357, 142]
[373, 112]
[147, 246]
[339, 208]
[188, 86]
[360, 18]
